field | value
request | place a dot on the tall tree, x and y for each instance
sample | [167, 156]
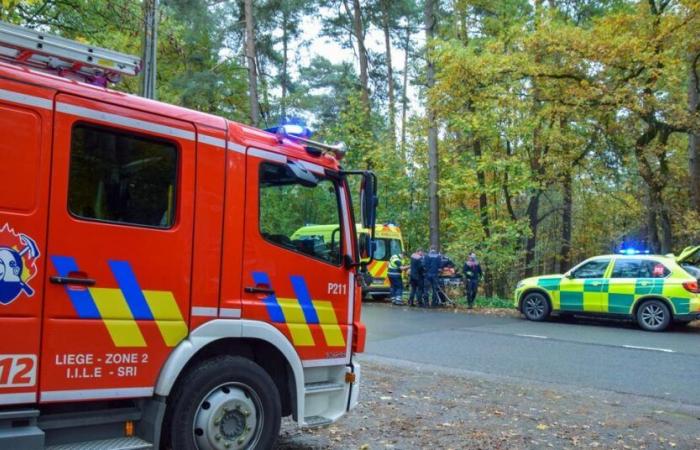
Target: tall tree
[694, 134]
[430, 22]
[386, 28]
[150, 46]
[252, 62]
[358, 28]
[404, 90]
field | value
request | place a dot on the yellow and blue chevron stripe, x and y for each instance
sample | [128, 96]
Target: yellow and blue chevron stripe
[301, 313]
[121, 308]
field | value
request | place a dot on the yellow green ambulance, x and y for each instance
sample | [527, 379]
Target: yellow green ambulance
[653, 290]
[387, 241]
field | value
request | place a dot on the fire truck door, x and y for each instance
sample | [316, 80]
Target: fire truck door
[25, 158]
[120, 250]
[294, 275]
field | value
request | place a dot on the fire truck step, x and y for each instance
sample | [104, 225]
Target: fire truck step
[316, 421]
[126, 443]
[89, 418]
[324, 386]
[18, 430]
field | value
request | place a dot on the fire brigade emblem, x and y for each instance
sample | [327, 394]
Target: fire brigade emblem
[18, 256]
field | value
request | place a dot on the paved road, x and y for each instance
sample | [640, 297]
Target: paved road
[579, 353]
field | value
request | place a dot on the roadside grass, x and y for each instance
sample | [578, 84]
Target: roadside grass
[487, 302]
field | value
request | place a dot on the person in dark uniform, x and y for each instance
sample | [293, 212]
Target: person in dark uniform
[432, 263]
[395, 279]
[417, 279]
[472, 274]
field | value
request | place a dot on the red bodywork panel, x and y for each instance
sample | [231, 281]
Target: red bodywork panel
[141, 289]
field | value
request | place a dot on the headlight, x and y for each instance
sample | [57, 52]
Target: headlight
[520, 284]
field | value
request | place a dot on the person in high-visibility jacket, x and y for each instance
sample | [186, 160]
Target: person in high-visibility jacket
[396, 268]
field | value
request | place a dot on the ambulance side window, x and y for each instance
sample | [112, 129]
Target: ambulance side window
[119, 177]
[592, 269]
[300, 218]
[626, 268]
[638, 268]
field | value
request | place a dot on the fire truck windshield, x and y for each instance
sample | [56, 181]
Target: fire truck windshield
[288, 205]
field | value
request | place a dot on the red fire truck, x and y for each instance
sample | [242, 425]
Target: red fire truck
[151, 294]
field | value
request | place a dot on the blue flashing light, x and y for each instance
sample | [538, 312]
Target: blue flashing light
[292, 127]
[629, 251]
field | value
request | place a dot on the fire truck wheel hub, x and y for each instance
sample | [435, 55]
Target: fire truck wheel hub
[229, 418]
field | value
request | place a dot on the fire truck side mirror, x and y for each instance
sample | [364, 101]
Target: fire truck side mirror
[368, 199]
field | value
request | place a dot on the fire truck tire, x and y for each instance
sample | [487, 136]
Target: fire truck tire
[224, 403]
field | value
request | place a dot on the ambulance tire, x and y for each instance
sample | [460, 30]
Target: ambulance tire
[653, 315]
[536, 307]
[200, 400]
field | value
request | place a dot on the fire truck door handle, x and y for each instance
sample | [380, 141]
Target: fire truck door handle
[259, 290]
[73, 280]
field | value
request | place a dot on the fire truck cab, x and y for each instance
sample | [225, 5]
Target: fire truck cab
[151, 295]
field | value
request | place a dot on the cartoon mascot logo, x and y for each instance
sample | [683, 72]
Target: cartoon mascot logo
[18, 256]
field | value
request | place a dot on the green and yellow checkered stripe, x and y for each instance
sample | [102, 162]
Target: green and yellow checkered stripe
[599, 295]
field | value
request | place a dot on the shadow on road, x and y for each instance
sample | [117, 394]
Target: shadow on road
[692, 328]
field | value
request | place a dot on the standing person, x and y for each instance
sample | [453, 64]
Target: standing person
[417, 278]
[472, 274]
[432, 263]
[395, 278]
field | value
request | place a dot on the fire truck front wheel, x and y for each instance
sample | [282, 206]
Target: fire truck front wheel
[225, 403]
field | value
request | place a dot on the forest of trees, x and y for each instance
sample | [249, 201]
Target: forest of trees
[533, 132]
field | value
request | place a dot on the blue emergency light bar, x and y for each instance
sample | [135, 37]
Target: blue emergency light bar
[292, 130]
[301, 134]
[632, 251]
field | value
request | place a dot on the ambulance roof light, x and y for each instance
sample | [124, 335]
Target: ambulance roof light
[633, 251]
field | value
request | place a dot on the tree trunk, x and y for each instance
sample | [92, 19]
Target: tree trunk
[536, 169]
[533, 212]
[150, 49]
[433, 162]
[251, 59]
[656, 176]
[694, 136]
[566, 218]
[404, 97]
[481, 180]
[390, 71]
[652, 226]
[358, 30]
[285, 62]
[666, 230]
[506, 190]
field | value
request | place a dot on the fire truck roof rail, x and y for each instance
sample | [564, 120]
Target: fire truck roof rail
[63, 56]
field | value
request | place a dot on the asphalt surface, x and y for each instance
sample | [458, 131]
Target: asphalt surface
[577, 353]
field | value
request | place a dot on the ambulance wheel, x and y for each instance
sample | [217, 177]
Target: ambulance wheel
[653, 315]
[226, 403]
[535, 307]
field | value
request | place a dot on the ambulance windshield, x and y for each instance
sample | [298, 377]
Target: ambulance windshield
[385, 248]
